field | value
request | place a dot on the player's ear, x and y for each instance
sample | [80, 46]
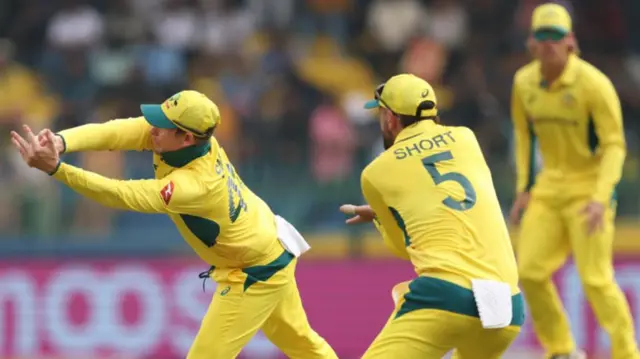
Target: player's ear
[572, 42]
[189, 139]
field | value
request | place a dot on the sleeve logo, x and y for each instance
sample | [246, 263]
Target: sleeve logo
[167, 192]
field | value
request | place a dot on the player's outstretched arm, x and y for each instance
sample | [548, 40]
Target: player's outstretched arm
[120, 134]
[177, 193]
[607, 117]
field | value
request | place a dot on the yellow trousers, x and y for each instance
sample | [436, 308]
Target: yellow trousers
[242, 305]
[433, 317]
[549, 232]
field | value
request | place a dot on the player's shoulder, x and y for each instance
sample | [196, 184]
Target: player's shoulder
[591, 75]
[458, 135]
[378, 165]
[459, 130]
[186, 177]
[526, 72]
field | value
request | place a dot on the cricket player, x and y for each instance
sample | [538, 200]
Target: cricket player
[431, 195]
[572, 111]
[252, 252]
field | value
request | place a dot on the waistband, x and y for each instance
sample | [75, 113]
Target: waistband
[435, 293]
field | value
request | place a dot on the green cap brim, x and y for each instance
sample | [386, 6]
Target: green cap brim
[156, 117]
[369, 105]
[539, 33]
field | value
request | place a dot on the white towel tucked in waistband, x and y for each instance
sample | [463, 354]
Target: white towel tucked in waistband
[290, 238]
[493, 300]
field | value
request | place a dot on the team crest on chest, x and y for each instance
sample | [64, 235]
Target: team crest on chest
[568, 99]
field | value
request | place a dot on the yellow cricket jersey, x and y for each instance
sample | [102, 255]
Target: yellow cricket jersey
[577, 122]
[436, 205]
[226, 224]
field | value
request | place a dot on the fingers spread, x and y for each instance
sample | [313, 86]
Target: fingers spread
[31, 138]
[52, 141]
[354, 220]
[23, 143]
[18, 146]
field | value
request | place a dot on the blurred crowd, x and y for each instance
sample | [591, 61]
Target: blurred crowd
[290, 77]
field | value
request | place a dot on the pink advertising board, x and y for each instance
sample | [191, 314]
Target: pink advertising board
[152, 308]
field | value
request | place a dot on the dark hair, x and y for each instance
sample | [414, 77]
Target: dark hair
[407, 121]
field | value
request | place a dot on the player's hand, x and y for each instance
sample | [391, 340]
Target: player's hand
[519, 205]
[44, 139]
[361, 214]
[594, 213]
[44, 158]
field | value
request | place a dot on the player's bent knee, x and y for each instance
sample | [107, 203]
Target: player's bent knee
[595, 284]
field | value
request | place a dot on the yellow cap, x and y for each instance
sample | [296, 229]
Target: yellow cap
[551, 17]
[188, 110]
[406, 94]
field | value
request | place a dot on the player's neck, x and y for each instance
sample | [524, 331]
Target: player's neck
[552, 71]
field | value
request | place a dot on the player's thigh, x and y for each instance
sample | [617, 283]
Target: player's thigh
[424, 333]
[288, 328]
[593, 253]
[542, 246]
[483, 343]
[233, 318]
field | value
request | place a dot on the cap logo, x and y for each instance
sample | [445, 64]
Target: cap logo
[549, 14]
[425, 93]
[172, 101]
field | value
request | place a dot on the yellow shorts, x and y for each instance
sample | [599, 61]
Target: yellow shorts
[262, 297]
[434, 317]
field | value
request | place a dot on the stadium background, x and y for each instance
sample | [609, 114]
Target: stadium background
[81, 281]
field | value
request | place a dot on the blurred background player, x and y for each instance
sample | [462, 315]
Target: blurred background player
[432, 197]
[252, 252]
[572, 111]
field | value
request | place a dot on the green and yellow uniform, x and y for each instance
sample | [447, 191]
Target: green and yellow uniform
[436, 206]
[226, 224]
[577, 123]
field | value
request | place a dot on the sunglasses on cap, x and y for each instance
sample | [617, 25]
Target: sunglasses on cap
[423, 106]
[377, 94]
[549, 35]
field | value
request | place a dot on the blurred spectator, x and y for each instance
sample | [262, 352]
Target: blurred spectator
[162, 68]
[447, 23]
[75, 24]
[333, 143]
[392, 23]
[24, 99]
[225, 27]
[176, 26]
[329, 18]
[122, 26]
[28, 28]
[23, 208]
[67, 73]
[289, 77]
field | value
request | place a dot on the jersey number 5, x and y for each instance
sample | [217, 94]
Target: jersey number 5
[469, 192]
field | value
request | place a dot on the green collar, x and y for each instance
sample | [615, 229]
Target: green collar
[185, 155]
